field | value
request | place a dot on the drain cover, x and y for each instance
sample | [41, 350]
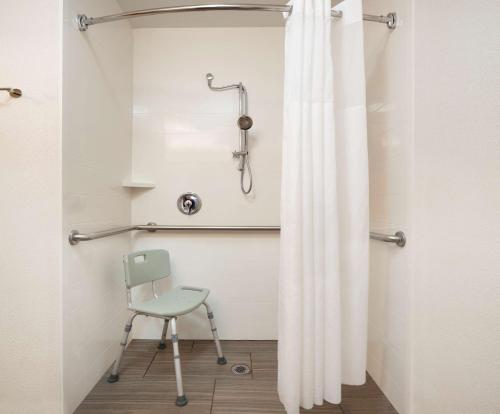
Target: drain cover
[240, 369]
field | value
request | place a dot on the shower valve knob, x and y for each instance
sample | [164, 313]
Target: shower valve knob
[238, 154]
[189, 203]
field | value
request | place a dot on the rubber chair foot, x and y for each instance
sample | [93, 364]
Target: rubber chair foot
[113, 378]
[181, 401]
[161, 346]
[222, 361]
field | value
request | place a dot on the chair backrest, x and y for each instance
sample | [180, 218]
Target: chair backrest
[146, 266]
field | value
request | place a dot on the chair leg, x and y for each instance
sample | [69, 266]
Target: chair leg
[181, 397]
[221, 360]
[114, 377]
[163, 340]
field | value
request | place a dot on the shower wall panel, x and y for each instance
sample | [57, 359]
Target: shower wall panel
[457, 223]
[183, 137]
[433, 99]
[30, 208]
[388, 57]
[97, 125]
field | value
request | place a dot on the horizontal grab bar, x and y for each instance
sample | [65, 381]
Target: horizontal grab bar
[75, 236]
[152, 227]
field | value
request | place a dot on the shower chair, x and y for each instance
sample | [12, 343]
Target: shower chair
[148, 266]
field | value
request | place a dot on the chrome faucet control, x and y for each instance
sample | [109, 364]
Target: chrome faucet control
[189, 203]
[238, 154]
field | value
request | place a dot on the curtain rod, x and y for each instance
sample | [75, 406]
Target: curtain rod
[84, 22]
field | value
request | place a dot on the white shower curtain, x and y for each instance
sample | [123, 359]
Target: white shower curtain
[324, 206]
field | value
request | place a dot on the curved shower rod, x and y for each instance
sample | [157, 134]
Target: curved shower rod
[84, 22]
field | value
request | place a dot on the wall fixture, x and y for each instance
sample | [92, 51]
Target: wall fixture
[244, 124]
[399, 238]
[189, 203]
[14, 92]
[144, 185]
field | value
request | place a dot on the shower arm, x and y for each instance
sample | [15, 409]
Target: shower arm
[221, 88]
[243, 92]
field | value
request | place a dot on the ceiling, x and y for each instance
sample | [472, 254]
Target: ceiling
[203, 19]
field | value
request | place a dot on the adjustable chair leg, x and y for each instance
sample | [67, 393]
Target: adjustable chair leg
[114, 377]
[163, 340]
[221, 360]
[181, 397]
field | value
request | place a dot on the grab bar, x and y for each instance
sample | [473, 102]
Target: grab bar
[13, 92]
[152, 227]
[399, 238]
[75, 236]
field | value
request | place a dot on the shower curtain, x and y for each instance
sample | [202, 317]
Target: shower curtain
[324, 206]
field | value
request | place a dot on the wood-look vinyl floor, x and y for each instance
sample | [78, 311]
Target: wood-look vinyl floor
[147, 383]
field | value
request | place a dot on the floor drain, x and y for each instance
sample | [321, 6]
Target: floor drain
[240, 369]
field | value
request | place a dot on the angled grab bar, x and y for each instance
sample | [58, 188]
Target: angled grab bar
[75, 236]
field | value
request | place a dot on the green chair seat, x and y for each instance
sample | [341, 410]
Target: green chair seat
[175, 302]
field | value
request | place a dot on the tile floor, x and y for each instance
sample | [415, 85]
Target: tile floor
[147, 383]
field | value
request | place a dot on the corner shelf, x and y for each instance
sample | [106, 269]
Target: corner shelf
[138, 184]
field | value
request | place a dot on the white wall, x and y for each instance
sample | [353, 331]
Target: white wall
[388, 57]
[457, 207]
[183, 138]
[97, 127]
[30, 209]
[435, 168]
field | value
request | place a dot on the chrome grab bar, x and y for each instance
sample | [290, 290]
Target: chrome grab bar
[152, 227]
[399, 238]
[75, 236]
[13, 92]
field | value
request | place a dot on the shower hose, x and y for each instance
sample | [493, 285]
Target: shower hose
[246, 167]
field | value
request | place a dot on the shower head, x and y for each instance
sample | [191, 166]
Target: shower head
[245, 122]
